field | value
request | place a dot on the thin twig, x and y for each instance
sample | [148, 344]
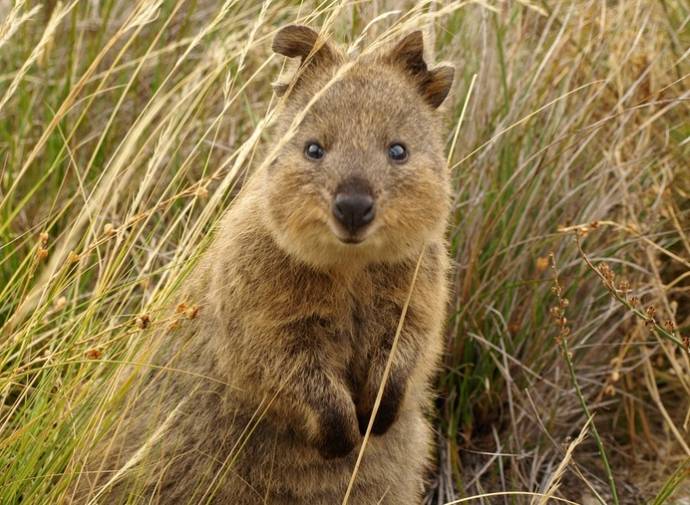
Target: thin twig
[648, 316]
[559, 315]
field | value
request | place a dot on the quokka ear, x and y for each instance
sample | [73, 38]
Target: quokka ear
[434, 85]
[299, 41]
[294, 40]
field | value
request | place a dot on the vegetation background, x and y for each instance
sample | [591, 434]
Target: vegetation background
[126, 127]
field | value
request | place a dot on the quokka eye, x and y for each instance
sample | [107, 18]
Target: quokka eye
[398, 153]
[314, 151]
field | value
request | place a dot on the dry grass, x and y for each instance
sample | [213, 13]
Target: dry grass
[127, 127]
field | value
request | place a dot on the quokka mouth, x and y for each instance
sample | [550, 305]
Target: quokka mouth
[364, 236]
[351, 240]
[347, 238]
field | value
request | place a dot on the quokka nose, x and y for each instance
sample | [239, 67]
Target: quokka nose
[354, 210]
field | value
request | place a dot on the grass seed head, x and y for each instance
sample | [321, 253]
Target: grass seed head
[142, 321]
[94, 353]
[606, 273]
[60, 303]
[109, 230]
[192, 312]
[542, 264]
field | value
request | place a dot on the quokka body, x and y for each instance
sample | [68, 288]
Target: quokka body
[300, 295]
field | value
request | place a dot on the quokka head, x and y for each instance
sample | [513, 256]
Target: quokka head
[361, 176]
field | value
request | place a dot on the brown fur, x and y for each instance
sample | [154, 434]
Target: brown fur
[288, 351]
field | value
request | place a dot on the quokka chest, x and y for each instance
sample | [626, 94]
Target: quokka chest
[364, 325]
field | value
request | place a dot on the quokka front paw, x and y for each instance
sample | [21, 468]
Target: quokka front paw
[338, 435]
[387, 412]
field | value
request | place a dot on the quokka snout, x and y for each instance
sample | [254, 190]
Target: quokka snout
[300, 295]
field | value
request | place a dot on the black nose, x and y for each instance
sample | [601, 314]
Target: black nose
[354, 210]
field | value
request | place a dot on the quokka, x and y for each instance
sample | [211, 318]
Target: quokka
[300, 295]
